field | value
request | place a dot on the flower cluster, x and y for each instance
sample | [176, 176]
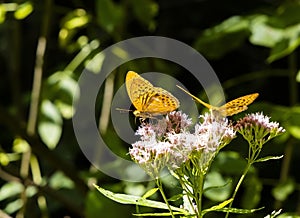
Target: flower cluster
[169, 143]
[257, 128]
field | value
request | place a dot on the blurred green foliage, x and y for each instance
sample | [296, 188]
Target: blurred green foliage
[253, 47]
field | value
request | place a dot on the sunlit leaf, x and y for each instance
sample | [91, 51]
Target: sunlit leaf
[23, 10]
[262, 33]
[215, 42]
[50, 124]
[218, 207]
[289, 42]
[233, 210]
[150, 193]
[263, 159]
[157, 214]
[284, 189]
[136, 200]
[63, 90]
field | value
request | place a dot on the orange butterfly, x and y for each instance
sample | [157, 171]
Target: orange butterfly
[233, 107]
[148, 100]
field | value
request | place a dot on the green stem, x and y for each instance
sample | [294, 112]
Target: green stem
[249, 163]
[159, 185]
[200, 194]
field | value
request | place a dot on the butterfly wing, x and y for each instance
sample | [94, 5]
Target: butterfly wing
[160, 102]
[237, 105]
[138, 89]
[147, 99]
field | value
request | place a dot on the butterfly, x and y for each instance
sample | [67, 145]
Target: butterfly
[148, 100]
[230, 108]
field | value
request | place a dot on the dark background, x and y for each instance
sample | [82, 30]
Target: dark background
[59, 174]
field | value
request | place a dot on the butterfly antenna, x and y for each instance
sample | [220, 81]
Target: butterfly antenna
[123, 110]
[193, 96]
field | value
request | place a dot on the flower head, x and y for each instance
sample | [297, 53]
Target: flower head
[258, 129]
[168, 142]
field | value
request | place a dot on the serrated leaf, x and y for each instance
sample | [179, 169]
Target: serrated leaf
[150, 193]
[135, 200]
[263, 159]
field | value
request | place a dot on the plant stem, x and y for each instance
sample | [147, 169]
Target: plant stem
[249, 163]
[200, 193]
[159, 185]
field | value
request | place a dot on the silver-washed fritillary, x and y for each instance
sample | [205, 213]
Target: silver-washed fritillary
[148, 100]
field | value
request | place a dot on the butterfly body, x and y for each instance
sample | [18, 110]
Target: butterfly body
[230, 108]
[148, 100]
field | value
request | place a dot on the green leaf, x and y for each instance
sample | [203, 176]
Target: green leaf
[216, 187]
[145, 11]
[109, 15]
[262, 33]
[136, 200]
[23, 10]
[252, 191]
[215, 42]
[50, 124]
[294, 131]
[289, 43]
[235, 210]
[160, 214]
[150, 193]
[62, 89]
[263, 159]
[175, 197]
[283, 190]
[218, 207]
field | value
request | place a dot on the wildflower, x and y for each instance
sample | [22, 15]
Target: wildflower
[257, 128]
[154, 151]
[168, 142]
